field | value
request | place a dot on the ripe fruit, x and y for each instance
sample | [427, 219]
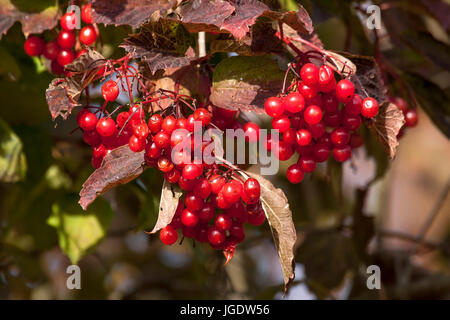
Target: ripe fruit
[87, 121]
[326, 75]
[217, 182]
[106, 127]
[257, 219]
[169, 124]
[162, 139]
[110, 90]
[223, 222]
[252, 189]
[189, 218]
[309, 74]
[295, 174]
[140, 130]
[193, 201]
[51, 50]
[165, 165]
[308, 92]
[353, 107]
[216, 236]
[155, 122]
[137, 144]
[304, 137]
[86, 13]
[168, 235]
[313, 115]
[202, 115]
[294, 102]
[65, 57]
[192, 171]
[342, 154]
[251, 131]
[340, 137]
[281, 123]
[33, 46]
[283, 151]
[274, 107]
[411, 118]
[321, 152]
[66, 39]
[345, 91]
[232, 191]
[68, 21]
[56, 68]
[88, 35]
[351, 122]
[307, 163]
[369, 107]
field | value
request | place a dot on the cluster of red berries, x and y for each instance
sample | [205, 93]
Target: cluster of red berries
[60, 52]
[318, 119]
[411, 116]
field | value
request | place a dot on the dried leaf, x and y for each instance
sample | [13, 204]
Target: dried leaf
[387, 125]
[279, 216]
[60, 102]
[205, 15]
[300, 21]
[244, 83]
[32, 22]
[439, 9]
[118, 167]
[170, 195]
[128, 12]
[344, 65]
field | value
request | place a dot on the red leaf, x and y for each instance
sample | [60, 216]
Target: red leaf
[128, 12]
[119, 167]
[60, 103]
[205, 15]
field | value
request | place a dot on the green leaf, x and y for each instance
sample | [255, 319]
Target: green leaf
[13, 164]
[78, 231]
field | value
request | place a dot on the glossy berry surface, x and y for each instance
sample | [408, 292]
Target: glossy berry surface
[33, 46]
[295, 174]
[110, 90]
[86, 13]
[411, 118]
[309, 74]
[274, 107]
[313, 115]
[88, 35]
[65, 57]
[294, 102]
[369, 107]
[66, 39]
[168, 235]
[345, 90]
[106, 127]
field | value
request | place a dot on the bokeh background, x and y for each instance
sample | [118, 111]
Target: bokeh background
[400, 221]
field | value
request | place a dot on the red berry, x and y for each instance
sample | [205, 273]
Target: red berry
[317, 130]
[189, 218]
[203, 188]
[172, 176]
[136, 144]
[369, 107]
[342, 154]
[309, 74]
[181, 123]
[274, 107]
[332, 119]
[152, 151]
[92, 138]
[217, 182]
[88, 35]
[65, 57]
[411, 118]
[207, 212]
[193, 201]
[308, 92]
[313, 115]
[295, 174]
[56, 68]
[192, 171]
[86, 13]
[223, 222]
[307, 163]
[186, 184]
[257, 219]
[345, 90]
[321, 152]
[106, 127]
[283, 151]
[351, 122]
[237, 231]
[353, 107]
[69, 21]
[304, 137]
[202, 115]
[400, 103]
[141, 130]
[110, 90]
[326, 74]
[216, 236]
[232, 191]
[122, 119]
[87, 121]
[252, 189]
[237, 211]
[162, 140]
[340, 137]
[294, 102]
[201, 234]
[281, 124]
[155, 123]
[168, 235]
[329, 87]
[165, 165]
[251, 131]
[66, 39]
[356, 141]
[169, 124]
[51, 50]
[289, 136]
[330, 103]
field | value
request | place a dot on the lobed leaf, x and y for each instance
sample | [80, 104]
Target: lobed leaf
[119, 167]
[59, 98]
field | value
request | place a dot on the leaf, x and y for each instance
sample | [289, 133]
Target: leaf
[31, 22]
[128, 12]
[368, 80]
[386, 127]
[440, 9]
[79, 231]
[119, 167]
[13, 165]
[279, 216]
[163, 44]
[346, 66]
[170, 194]
[300, 21]
[60, 101]
[244, 83]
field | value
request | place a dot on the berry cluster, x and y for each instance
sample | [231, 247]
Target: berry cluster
[411, 116]
[60, 51]
[319, 118]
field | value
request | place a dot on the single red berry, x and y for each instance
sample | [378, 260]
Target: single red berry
[191, 124]
[342, 154]
[51, 50]
[283, 151]
[281, 123]
[169, 124]
[294, 102]
[345, 90]
[304, 137]
[155, 123]
[326, 75]
[181, 123]
[217, 182]
[329, 87]
[289, 136]
[274, 107]
[330, 102]
[141, 131]
[309, 74]
[331, 119]
[351, 122]
[186, 184]
[168, 235]
[252, 189]
[66, 39]
[87, 121]
[172, 176]
[356, 141]
[202, 115]
[326, 140]
[56, 68]
[65, 57]
[152, 151]
[232, 191]
[88, 35]
[165, 165]
[207, 212]
[68, 21]
[257, 219]
[201, 234]
[317, 130]
[216, 236]
[110, 90]
[192, 171]
[251, 131]
[295, 174]
[99, 151]
[237, 231]
[313, 115]
[411, 118]
[353, 107]
[203, 188]
[400, 103]
[193, 201]
[106, 127]
[308, 92]
[86, 13]
[307, 163]
[321, 152]
[237, 211]
[92, 138]
[223, 222]
[340, 137]
[369, 107]
[189, 218]
[137, 144]
[122, 119]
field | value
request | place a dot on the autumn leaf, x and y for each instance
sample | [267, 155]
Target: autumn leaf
[119, 167]
[170, 194]
[386, 127]
[344, 65]
[128, 12]
[244, 83]
[60, 101]
[279, 216]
